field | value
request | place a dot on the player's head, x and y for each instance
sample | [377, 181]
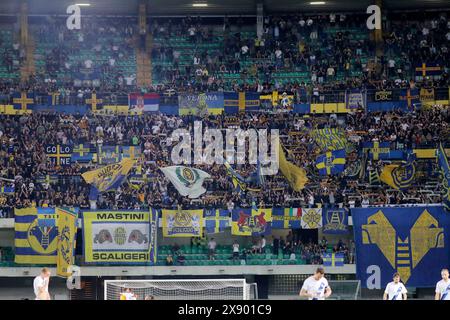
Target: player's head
[319, 273]
[396, 277]
[444, 274]
[149, 297]
[127, 290]
[45, 273]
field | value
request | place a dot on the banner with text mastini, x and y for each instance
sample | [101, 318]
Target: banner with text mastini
[120, 237]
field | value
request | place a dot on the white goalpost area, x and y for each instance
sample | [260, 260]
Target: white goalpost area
[183, 289]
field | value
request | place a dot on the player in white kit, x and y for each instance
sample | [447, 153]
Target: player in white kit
[443, 287]
[395, 290]
[316, 286]
[40, 285]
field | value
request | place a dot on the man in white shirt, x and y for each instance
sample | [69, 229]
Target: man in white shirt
[235, 250]
[212, 248]
[443, 287]
[395, 290]
[40, 285]
[316, 286]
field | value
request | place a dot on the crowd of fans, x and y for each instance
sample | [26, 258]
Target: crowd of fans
[287, 43]
[23, 159]
[77, 60]
[332, 60]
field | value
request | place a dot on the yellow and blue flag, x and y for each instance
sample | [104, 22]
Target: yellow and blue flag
[251, 222]
[7, 189]
[286, 218]
[216, 220]
[331, 163]
[23, 100]
[108, 178]
[333, 259]
[182, 223]
[132, 152]
[36, 236]
[108, 154]
[295, 175]
[82, 153]
[399, 176]
[48, 179]
[59, 155]
[235, 102]
[239, 183]
[67, 232]
[444, 168]
[335, 221]
[330, 139]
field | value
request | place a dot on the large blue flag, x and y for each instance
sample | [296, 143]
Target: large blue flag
[413, 241]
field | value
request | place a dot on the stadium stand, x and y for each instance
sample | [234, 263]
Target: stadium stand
[315, 61]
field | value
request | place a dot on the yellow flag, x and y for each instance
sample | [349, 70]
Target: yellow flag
[109, 177]
[294, 174]
[67, 230]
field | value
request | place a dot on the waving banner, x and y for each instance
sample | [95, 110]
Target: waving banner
[412, 241]
[67, 232]
[108, 177]
[182, 223]
[187, 181]
[120, 237]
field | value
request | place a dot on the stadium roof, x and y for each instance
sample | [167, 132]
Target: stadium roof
[215, 7]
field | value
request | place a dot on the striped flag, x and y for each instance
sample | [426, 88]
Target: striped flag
[286, 218]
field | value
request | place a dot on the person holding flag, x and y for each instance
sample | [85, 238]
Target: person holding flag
[443, 287]
[395, 290]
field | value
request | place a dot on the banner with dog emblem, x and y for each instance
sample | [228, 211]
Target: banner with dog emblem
[311, 218]
[120, 237]
[412, 241]
[182, 223]
[251, 222]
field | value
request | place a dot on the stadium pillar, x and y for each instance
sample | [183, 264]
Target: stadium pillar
[26, 43]
[378, 33]
[24, 23]
[143, 50]
[259, 20]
